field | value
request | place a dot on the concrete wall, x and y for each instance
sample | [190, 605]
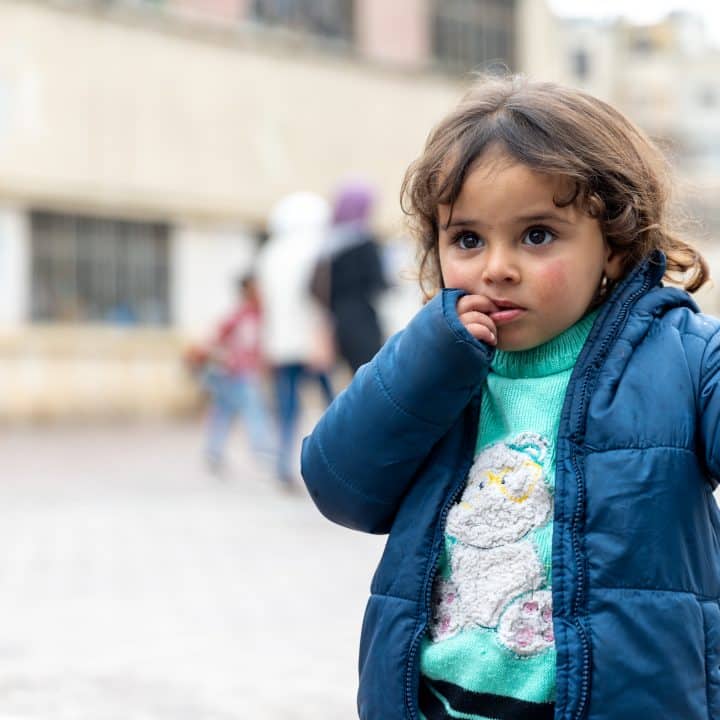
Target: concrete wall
[397, 32]
[113, 112]
[537, 46]
[126, 119]
[205, 264]
[109, 114]
[14, 269]
[52, 373]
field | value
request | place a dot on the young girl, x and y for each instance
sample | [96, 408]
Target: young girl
[542, 441]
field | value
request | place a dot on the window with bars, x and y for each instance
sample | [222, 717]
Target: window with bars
[325, 18]
[88, 269]
[474, 34]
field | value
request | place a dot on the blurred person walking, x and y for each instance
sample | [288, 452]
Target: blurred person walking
[297, 339]
[349, 275]
[234, 379]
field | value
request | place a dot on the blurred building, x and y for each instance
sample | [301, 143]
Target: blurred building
[666, 77]
[143, 142]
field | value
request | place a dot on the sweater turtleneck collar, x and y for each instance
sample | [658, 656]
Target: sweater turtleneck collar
[553, 356]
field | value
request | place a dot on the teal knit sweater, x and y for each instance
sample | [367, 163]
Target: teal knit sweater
[490, 650]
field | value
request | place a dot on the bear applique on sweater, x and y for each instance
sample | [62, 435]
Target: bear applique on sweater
[496, 579]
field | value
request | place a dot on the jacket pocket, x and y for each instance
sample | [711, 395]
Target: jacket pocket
[711, 620]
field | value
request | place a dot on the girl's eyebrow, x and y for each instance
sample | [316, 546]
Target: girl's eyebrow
[543, 217]
[532, 218]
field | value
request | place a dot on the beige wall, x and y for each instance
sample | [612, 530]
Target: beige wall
[51, 373]
[538, 50]
[217, 9]
[394, 32]
[109, 115]
[106, 114]
[14, 268]
[132, 115]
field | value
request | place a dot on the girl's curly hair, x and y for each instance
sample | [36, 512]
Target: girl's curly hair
[618, 175]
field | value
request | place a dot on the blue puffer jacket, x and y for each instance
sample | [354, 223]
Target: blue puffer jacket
[636, 569]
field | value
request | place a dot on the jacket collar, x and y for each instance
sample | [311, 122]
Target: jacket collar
[648, 274]
[642, 289]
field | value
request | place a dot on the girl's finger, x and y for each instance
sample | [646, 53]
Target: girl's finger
[477, 320]
[480, 303]
[482, 332]
[473, 316]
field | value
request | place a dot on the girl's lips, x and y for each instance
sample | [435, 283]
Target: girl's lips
[506, 315]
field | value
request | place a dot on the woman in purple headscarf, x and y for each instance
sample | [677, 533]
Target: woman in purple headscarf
[351, 275]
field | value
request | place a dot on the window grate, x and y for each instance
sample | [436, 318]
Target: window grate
[474, 34]
[325, 18]
[88, 269]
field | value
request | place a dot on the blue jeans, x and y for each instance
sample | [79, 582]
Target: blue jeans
[287, 385]
[234, 395]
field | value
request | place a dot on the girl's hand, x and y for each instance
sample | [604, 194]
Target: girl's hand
[473, 311]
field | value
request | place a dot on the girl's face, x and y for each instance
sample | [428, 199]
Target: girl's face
[539, 264]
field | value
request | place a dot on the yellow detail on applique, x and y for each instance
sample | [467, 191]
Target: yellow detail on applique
[499, 477]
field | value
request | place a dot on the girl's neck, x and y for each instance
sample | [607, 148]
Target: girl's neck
[553, 356]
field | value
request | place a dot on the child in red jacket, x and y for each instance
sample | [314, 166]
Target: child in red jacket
[234, 379]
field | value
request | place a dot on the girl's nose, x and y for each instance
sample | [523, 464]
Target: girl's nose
[500, 266]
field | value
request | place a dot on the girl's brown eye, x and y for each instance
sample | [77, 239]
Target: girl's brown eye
[538, 236]
[468, 240]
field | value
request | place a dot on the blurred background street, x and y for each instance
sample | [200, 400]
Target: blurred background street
[136, 586]
[152, 568]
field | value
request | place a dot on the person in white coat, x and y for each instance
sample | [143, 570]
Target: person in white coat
[297, 339]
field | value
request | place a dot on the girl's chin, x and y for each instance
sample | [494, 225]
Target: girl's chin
[509, 341]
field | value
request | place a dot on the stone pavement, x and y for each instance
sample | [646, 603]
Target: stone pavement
[135, 586]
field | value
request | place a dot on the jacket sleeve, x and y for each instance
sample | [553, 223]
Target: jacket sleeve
[361, 458]
[709, 405]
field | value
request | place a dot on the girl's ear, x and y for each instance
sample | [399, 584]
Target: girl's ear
[613, 262]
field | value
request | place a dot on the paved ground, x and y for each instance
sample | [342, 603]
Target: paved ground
[134, 586]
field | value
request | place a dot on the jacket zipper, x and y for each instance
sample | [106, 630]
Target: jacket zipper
[580, 505]
[410, 700]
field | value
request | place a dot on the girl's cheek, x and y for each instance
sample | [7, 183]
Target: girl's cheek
[457, 275]
[554, 277]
